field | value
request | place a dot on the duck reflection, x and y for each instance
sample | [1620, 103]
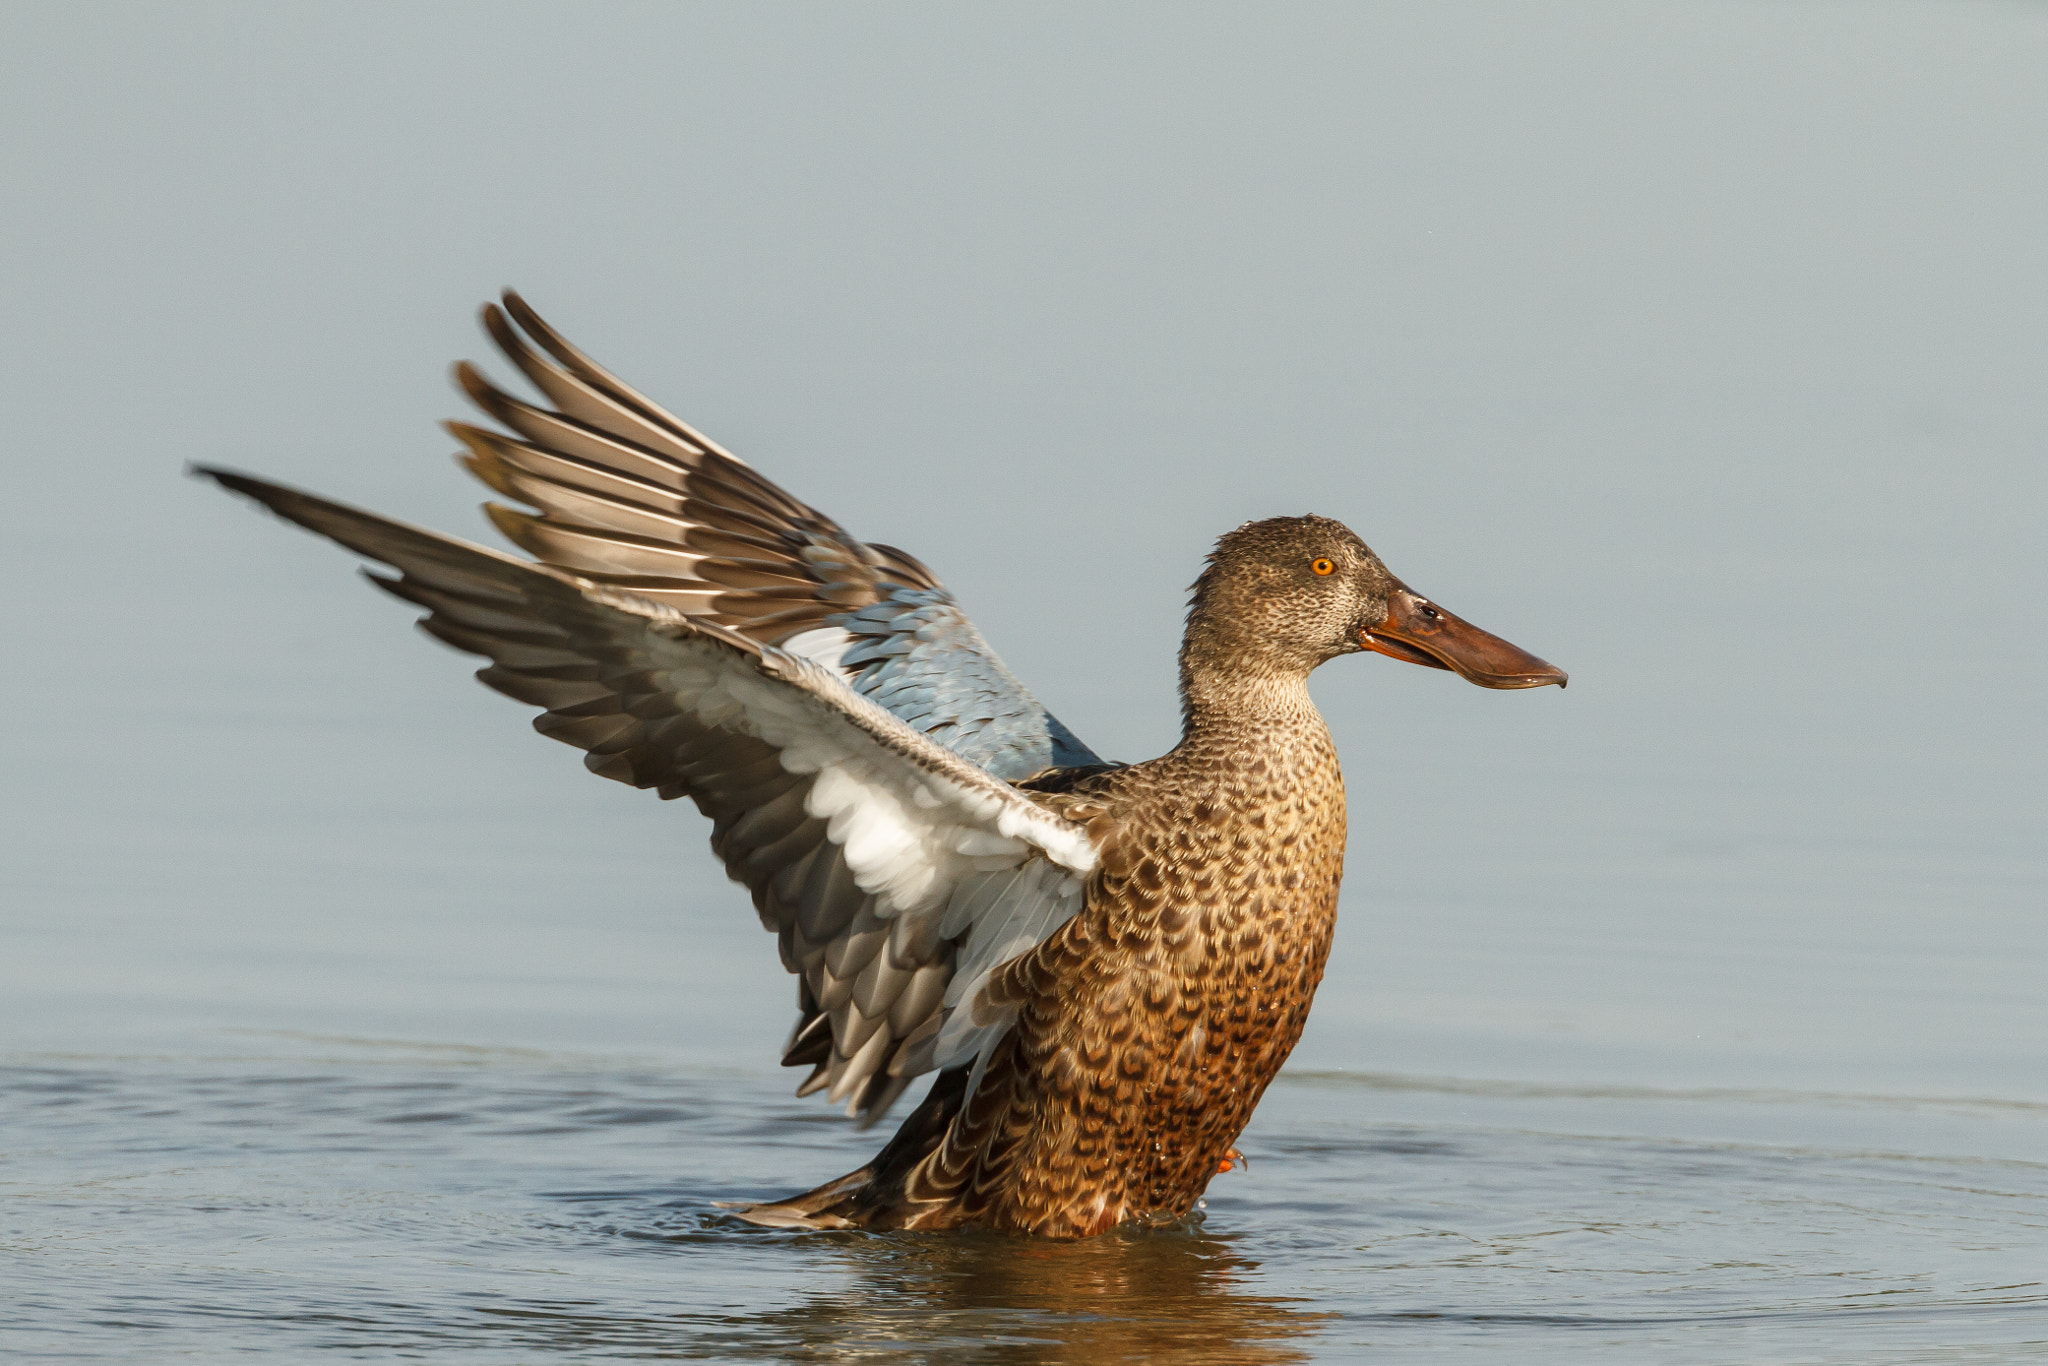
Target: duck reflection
[1133, 1295]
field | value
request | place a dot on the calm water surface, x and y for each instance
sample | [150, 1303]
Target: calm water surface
[335, 1197]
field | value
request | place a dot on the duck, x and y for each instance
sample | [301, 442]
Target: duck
[1100, 966]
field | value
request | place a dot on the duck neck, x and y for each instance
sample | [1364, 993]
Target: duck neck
[1248, 693]
[1243, 673]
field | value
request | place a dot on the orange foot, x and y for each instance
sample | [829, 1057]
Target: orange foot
[1232, 1158]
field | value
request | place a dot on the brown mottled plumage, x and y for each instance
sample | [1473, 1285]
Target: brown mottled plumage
[1150, 1024]
[1104, 964]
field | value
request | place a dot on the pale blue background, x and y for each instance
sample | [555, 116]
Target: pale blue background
[1700, 349]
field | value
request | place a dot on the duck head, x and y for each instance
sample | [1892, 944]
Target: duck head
[1286, 594]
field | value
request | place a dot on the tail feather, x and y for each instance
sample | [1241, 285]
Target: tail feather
[812, 1209]
[875, 1195]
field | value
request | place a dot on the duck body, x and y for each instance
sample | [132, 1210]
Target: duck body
[1149, 1025]
[1104, 965]
[1170, 1003]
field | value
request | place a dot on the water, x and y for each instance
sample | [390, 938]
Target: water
[1695, 1014]
[352, 1197]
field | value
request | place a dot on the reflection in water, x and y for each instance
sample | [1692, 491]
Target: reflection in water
[1131, 1296]
[983, 1298]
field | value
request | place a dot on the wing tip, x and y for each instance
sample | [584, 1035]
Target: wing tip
[222, 475]
[265, 494]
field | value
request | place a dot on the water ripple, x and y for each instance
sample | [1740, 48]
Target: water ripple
[511, 1205]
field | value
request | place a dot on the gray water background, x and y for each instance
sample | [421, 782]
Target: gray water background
[1695, 1013]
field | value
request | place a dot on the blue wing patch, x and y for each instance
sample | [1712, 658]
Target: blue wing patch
[916, 654]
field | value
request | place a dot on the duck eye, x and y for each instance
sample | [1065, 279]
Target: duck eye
[1323, 565]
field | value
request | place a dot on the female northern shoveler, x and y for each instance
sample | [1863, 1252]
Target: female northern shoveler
[1105, 964]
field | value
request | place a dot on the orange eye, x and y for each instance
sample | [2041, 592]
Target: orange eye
[1323, 565]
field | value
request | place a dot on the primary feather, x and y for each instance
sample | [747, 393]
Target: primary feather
[859, 836]
[699, 631]
[628, 496]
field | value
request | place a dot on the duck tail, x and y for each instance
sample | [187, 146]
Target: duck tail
[812, 1209]
[874, 1196]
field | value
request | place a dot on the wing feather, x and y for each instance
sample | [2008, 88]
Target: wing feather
[574, 360]
[629, 496]
[887, 864]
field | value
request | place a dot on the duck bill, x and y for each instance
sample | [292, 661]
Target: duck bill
[1420, 632]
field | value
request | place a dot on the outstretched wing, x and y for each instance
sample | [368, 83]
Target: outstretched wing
[897, 873]
[628, 496]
